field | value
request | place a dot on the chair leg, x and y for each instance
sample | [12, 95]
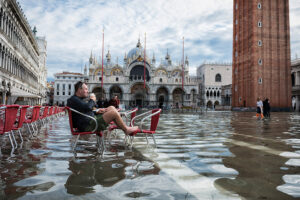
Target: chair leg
[147, 139]
[131, 141]
[14, 139]
[154, 140]
[99, 145]
[75, 144]
[11, 142]
[103, 145]
[20, 135]
[21, 138]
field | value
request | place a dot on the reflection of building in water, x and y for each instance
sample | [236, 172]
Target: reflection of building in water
[256, 158]
[296, 84]
[22, 58]
[163, 83]
[211, 79]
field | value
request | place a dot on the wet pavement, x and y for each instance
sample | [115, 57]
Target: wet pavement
[213, 155]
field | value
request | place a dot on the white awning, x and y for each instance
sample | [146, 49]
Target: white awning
[16, 92]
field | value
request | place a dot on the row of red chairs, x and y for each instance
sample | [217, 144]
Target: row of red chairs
[12, 118]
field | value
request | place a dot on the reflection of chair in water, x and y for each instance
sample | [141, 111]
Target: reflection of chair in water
[87, 174]
[82, 178]
[100, 140]
[154, 115]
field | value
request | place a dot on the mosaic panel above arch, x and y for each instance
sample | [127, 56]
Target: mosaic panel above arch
[176, 73]
[161, 72]
[98, 72]
[116, 72]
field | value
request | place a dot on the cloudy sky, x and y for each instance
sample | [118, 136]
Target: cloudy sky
[73, 28]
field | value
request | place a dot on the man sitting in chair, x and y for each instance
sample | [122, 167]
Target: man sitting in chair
[103, 115]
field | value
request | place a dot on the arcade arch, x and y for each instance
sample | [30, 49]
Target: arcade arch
[177, 97]
[162, 97]
[139, 95]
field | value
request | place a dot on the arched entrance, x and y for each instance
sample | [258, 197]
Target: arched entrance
[115, 90]
[193, 97]
[139, 95]
[137, 73]
[216, 103]
[209, 104]
[178, 97]
[99, 92]
[162, 97]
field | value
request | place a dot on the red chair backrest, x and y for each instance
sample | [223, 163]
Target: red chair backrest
[45, 112]
[50, 111]
[10, 117]
[35, 113]
[155, 119]
[55, 110]
[133, 114]
[70, 120]
[22, 114]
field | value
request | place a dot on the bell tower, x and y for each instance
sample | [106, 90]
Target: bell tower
[261, 63]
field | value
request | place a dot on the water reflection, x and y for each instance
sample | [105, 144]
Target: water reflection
[89, 173]
[256, 146]
[215, 155]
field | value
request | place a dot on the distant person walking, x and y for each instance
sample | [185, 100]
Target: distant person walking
[267, 108]
[259, 109]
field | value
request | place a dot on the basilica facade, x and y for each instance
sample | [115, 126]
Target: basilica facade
[164, 86]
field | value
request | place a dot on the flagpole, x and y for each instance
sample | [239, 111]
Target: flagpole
[102, 60]
[182, 70]
[145, 64]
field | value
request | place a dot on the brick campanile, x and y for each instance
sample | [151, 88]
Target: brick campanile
[261, 53]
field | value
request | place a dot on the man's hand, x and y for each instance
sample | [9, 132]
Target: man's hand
[101, 110]
[93, 98]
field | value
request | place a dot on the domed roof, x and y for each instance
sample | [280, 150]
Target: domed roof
[138, 50]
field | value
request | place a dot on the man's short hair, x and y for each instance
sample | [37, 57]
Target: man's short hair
[78, 85]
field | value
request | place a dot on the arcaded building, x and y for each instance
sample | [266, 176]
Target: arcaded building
[22, 58]
[211, 78]
[163, 81]
[261, 53]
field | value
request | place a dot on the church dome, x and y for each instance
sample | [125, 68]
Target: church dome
[135, 52]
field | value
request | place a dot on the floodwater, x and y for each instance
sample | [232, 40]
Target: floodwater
[214, 155]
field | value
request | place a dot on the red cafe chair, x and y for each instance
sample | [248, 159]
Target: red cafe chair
[129, 115]
[154, 116]
[20, 120]
[75, 131]
[7, 119]
[31, 118]
[42, 118]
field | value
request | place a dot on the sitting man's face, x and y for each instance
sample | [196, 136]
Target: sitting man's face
[83, 92]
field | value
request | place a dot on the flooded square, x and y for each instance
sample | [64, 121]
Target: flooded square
[211, 155]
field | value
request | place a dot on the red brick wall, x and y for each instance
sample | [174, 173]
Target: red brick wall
[274, 53]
